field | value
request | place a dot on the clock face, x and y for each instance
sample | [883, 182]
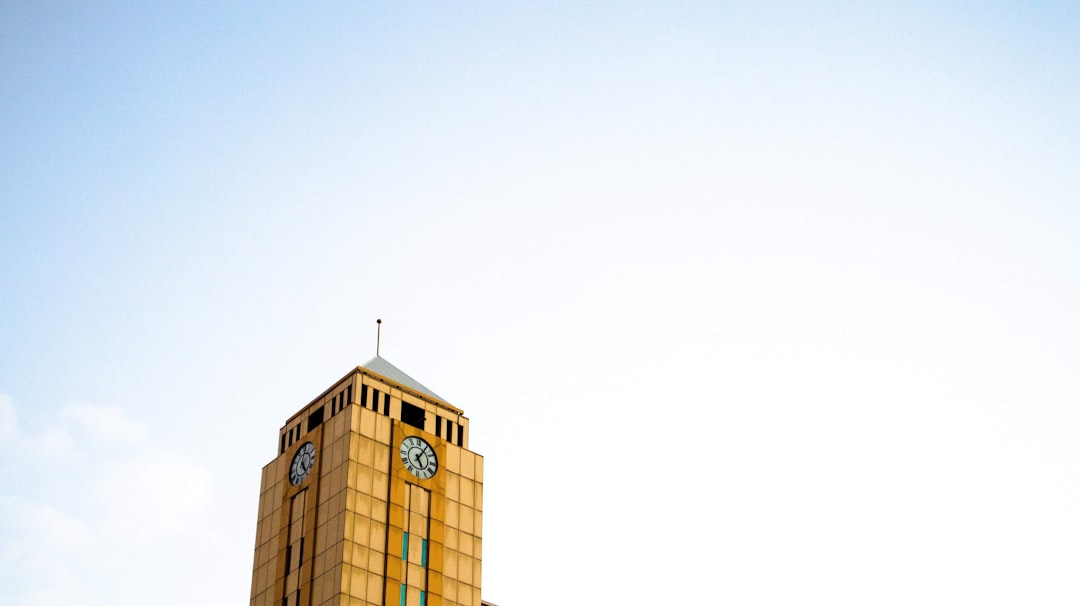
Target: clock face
[301, 464]
[418, 457]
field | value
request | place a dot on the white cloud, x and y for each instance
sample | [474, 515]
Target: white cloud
[58, 529]
[106, 423]
[42, 551]
[53, 446]
[9, 420]
[157, 493]
[78, 509]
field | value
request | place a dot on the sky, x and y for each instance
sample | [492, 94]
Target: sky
[747, 303]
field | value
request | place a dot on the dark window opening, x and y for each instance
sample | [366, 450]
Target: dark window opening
[412, 415]
[363, 396]
[283, 436]
[315, 418]
[460, 434]
[288, 558]
[438, 427]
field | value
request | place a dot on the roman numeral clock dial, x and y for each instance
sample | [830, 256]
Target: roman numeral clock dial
[301, 464]
[418, 457]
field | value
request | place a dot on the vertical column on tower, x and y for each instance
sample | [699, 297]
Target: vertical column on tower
[294, 551]
[415, 546]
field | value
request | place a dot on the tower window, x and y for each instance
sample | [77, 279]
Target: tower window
[412, 415]
[315, 418]
[363, 396]
[375, 397]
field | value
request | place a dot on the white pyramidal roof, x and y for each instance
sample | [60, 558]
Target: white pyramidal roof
[380, 366]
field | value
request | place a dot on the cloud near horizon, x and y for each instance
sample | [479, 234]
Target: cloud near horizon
[113, 499]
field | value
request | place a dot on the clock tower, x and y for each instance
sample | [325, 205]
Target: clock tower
[374, 498]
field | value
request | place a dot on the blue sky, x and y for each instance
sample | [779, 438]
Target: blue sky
[785, 290]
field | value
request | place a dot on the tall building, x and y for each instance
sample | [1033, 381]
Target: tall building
[374, 499]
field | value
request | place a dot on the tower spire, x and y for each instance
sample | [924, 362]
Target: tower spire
[378, 335]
